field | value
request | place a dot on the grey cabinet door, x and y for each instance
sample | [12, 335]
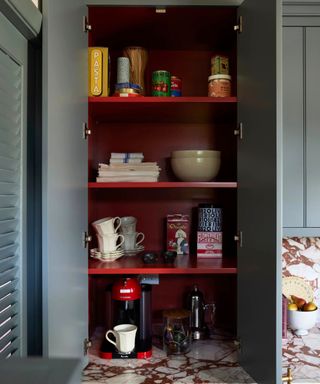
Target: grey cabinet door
[293, 127]
[65, 273]
[313, 126]
[259, 194]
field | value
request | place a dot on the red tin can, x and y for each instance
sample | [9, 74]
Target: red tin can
[176, 86]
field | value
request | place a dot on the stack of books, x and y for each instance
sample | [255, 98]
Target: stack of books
[131, 170]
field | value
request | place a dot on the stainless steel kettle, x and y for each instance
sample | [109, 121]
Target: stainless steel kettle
[197, 307]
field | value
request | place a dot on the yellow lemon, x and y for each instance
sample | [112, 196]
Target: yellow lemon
[292, 307]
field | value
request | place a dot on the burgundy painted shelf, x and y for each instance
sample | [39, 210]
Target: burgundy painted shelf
[183, 265]
[200, 109]
[161, 100]
[164, 184]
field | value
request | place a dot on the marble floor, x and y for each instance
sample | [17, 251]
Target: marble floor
[212, 361]
[302, 354]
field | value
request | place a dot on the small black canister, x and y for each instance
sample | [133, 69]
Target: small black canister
[209, 218]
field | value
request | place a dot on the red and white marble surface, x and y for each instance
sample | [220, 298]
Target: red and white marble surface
[211, 361]
[301, 258]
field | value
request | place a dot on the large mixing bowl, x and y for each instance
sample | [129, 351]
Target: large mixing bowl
[196, 168]
[195, 153]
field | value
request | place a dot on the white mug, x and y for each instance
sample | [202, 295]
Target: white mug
[108, 243]
[131, 240]
[128, 224]
[107, 225]
[125, 335]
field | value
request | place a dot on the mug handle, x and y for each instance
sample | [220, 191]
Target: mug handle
[118, 226]
[121, 242]
[141, 240]
[114, 334]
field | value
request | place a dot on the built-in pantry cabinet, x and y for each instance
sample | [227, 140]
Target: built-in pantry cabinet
[250, 276]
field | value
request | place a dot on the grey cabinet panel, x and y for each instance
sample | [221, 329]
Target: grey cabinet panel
[65, 261]
[259, 192]
[313, 125]
[293, 127]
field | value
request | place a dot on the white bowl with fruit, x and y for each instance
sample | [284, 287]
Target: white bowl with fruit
[302, 315]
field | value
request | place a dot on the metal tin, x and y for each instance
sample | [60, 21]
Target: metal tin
[161, 83]
[209, 218]
[219, 65]
[176, 86]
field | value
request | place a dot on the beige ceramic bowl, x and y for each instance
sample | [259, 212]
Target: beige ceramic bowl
[196, 168]
[195, 153]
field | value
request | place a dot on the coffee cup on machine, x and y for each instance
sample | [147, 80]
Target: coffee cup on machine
[125, 335]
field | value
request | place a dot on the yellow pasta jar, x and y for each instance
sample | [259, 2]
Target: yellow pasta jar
[219, 86]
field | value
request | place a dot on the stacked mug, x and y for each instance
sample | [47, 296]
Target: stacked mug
[109, 240]
[132, 238]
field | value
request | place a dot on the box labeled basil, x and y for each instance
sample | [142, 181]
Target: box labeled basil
[209, 235]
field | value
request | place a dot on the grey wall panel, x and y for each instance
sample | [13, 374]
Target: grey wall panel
[293, 127]
[313, 125]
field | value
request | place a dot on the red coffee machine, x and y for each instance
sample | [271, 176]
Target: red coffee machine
[129, 302]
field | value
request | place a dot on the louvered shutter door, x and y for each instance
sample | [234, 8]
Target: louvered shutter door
[10, 204]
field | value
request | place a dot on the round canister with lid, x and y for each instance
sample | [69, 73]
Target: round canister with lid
[219, 86]
[209, 218]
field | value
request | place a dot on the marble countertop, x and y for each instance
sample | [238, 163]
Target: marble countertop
[210, 361]
[302, 354]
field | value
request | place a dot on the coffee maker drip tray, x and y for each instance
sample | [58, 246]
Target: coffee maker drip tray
[108, 351]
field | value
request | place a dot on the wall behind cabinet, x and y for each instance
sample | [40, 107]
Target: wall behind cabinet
[301, 120]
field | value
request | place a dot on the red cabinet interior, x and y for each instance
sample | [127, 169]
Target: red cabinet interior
[182, 41]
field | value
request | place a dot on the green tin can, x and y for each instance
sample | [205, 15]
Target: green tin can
[161, 83]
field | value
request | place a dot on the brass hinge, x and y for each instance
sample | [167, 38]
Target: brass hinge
[239, 238]
[86, 345]
[86, 27]
[85, 131]
[86, 238]
[239, 27]
[288, 379]
[239, 131]
[161, 10]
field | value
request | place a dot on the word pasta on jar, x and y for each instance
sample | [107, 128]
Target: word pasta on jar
[219, 86]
